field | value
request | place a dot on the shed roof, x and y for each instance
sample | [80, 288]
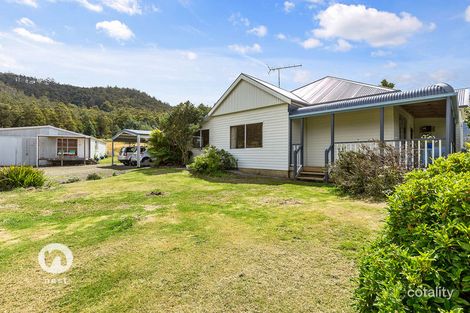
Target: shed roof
[131, 135]
[331, 88]
[65, 132]
[436, 91]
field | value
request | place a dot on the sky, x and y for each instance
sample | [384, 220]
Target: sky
[193, 50]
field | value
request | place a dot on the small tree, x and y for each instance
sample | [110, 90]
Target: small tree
[385, 83]
[180, 124]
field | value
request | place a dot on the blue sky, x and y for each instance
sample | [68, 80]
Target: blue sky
[193, 49]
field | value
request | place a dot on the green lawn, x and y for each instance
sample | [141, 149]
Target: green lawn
[205, 245]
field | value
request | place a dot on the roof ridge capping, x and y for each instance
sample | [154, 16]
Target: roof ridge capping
[429, 91]
[347, 80]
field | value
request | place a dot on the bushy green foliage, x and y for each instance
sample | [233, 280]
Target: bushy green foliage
[367, 172]
[93, 176]
[178, 127]
[161, 150]
[425, 245]
[20, 177]
[213, 161]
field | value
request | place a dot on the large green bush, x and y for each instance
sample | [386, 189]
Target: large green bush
[367, 172]
[213, 161]
[20, 177]
[162, 151]
[425, 245]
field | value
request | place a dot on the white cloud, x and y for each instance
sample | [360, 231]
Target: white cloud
[33, 36]
[281, 36]
[342, 45]
[7, 62]
[380, 53]
[311, 43]
[467, 14]
[185, 3]
[255, 48]
[237, 19]
[24, 21]
[288, 6]
[130, 7]
[191, 56]
[90, 6]
[155, 9]
[115, 29]
[259, 31]
[390, 64]
[31, 3]
[359, 23]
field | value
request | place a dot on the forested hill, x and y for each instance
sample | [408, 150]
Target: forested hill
[103, 98]
[99, 112]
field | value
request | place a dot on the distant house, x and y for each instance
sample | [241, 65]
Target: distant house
[298, 133]
[47, 145]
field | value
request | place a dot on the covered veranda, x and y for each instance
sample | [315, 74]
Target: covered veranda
[319, 132]
[130, 136]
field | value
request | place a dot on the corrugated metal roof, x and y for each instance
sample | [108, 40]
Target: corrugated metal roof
[330, 89]
[433, 90]
[463, 96]
[131, 134]
[281, 91]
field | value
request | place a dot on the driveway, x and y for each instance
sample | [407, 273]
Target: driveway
[63, 173]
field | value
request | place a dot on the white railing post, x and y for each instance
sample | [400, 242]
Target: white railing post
[426, 153]
[432, 153]
[440, 147]
[419, 153]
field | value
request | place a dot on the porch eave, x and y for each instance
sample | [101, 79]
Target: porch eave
[318, 112]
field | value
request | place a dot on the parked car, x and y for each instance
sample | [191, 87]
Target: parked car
[125, 155]
[145, 158]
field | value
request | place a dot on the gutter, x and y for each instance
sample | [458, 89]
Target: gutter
[375, 105]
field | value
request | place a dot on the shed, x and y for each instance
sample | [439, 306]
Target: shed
[47, 145]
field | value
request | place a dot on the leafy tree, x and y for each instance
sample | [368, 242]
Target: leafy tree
[180, 124]
[387, 84]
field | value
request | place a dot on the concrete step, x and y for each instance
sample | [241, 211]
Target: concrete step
[304, 173]
[311, 178]
[314, 169]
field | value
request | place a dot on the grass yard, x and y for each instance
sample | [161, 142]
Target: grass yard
[226, 244]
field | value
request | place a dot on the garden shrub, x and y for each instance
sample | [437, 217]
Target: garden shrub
[367, 172]
[93, 176]
[162, 151]
[425, 244]
[213, 161]
[21, 177]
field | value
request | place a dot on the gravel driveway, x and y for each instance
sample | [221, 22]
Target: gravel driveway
[64, 173]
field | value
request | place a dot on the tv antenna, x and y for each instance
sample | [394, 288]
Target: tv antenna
[278, 69]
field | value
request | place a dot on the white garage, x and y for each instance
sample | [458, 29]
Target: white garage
[47, 145]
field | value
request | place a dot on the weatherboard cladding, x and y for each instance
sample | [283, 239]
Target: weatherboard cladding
[330, 89]
[433, 90]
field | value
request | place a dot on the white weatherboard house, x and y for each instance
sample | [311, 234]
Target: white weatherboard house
[298, 133]
[47, 145]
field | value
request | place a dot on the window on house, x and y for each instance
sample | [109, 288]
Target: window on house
[205, 137]
[237, 137]
[201, 138]
[254, 135]
[67, 146]
[246, 136]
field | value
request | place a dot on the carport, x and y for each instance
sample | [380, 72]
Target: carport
[130, 136]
